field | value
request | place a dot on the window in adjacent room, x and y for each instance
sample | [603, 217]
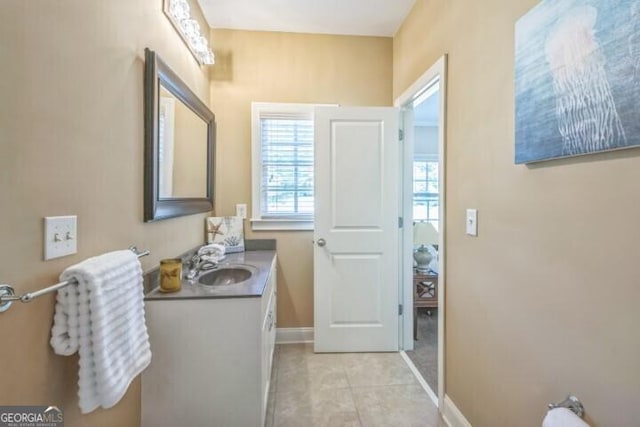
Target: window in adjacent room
[425, 191]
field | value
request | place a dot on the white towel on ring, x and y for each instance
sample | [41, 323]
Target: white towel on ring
[102, 317]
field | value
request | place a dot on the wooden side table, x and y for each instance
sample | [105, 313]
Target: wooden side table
[425, 295]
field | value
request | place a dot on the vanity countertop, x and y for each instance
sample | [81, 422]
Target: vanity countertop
[254, 287]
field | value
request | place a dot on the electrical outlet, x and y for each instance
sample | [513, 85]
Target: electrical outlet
[60, 236]
[241, 210]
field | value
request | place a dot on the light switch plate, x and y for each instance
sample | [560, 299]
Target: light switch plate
[60, 236]
[472, 222]
[241, 210]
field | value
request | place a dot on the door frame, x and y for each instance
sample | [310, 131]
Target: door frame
[437, 72]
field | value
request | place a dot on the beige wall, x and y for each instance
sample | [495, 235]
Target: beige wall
[286, 67]
[544, 301]
[71, 142]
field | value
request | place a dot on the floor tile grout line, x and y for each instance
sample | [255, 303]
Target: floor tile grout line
[274, 368]
[344, 369]
[273, 411]
[306, 355]
[353, 397]
[413, 384]
[349, 388]
[355, 405]
[317, 389]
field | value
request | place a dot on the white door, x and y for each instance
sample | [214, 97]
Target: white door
[356, 229]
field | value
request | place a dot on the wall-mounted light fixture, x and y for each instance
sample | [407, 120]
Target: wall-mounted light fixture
[179, 14]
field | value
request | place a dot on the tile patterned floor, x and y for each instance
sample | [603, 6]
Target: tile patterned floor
[340, 390]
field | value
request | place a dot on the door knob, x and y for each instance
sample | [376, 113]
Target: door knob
[321, 242]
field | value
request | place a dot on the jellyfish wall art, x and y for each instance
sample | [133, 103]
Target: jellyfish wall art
[577, 78]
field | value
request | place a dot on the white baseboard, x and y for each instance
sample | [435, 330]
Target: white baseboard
[294, 335]
[452, 415]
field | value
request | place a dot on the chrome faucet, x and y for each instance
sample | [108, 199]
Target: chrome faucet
[197, 265]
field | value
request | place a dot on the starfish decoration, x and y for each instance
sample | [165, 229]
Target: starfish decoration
[215, 229]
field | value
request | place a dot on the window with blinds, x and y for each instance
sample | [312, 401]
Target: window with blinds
[286, 155]
[283, 166]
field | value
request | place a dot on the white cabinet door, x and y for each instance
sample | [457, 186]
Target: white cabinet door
[356, 229]
[268, 338]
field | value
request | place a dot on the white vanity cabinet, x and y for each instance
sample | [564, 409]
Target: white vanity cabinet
[211, 360]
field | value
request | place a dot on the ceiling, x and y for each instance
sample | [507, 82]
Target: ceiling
[348, 17]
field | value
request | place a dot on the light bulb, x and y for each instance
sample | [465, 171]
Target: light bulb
[179, 10]
[189, 29]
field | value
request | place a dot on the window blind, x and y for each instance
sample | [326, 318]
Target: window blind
[287, 165]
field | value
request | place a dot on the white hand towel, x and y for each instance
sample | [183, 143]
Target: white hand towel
[212, 251]
[562, 417]
[102, 317]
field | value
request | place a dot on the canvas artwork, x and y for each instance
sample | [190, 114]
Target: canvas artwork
[577, 78]
[228, 231]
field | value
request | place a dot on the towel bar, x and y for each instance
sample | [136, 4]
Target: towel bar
[8, 295]
[572, 403]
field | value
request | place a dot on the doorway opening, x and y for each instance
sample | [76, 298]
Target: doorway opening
[423, 272]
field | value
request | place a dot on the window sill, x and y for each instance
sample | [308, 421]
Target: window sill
[258, 224]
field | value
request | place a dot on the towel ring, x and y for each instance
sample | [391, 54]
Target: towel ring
[572, 403]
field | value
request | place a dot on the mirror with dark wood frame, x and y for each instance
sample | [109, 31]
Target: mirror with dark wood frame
[180, 133]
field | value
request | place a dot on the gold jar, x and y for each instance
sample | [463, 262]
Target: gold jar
[170, 275]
